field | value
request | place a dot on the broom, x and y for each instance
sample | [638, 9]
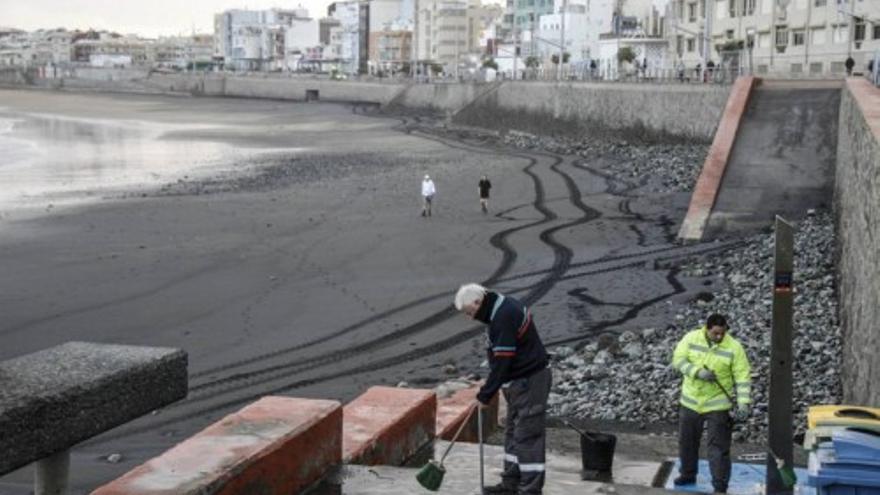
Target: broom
[431, 474]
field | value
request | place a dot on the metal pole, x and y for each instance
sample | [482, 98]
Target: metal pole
[780, 403]
[52, 473]
[515, 45]
[561, 41]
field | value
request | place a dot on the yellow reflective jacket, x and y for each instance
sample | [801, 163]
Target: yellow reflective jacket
[726, 359]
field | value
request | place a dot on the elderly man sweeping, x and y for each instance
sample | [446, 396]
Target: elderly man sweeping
[518, 367]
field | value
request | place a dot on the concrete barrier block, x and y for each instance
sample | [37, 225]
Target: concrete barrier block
[388, 425]
[53, 399]
[277, 445]
[453, 410]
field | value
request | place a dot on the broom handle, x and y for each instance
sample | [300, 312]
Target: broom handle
[457, 433]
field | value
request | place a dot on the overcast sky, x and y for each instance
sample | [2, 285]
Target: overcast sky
[145, 17]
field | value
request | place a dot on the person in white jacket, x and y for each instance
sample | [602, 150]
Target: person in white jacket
[428, 191]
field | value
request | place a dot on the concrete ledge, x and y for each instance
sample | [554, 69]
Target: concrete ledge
[453, 410]
[277, 445]
[388, 425]
[709, 182]
[867, 97]
[55, 398]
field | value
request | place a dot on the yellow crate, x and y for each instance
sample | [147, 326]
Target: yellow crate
[841, 415]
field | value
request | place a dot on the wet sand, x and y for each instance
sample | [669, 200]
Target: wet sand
[307, 270]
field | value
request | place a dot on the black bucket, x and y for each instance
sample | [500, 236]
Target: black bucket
[597, 455]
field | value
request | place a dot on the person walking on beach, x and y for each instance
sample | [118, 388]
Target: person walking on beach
[714, 367]
[485, 185]
[428, 191]
[518, 367]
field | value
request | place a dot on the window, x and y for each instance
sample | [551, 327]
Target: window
[690, 44]
[859, 33]
[876, 31]
[797, 37]
[749, 7]
[762, 68]
[816, 68]
[728, 34]
[837, 67]
[840, 34]
[797, 68]
[679, 44]
[781, 36]
[731, 7]
[817, 36]
[692, 12]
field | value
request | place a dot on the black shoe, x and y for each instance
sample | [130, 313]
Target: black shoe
[500, 489]
[681, 480]
[423, 213]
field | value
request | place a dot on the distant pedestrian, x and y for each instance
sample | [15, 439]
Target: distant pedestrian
[710, 68]
[485, 185]
[428, 191]
[849, 64]
[680, 68]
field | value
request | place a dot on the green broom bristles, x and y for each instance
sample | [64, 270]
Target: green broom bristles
[431, 475]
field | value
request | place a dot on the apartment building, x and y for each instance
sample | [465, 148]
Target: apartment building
[258, 39]
[790, 38]
[449, 32]
[345, 39]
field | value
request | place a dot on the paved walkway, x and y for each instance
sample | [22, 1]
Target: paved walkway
[463, 475]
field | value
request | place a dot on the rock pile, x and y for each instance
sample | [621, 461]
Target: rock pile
[628, 377]
[660, 168]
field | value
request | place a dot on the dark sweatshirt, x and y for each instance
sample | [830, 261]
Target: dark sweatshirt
[515, 349]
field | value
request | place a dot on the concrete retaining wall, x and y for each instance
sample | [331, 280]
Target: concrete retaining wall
[653, 112]
[857, 208]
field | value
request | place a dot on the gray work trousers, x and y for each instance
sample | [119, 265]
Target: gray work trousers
[525, 432]
[690, 430]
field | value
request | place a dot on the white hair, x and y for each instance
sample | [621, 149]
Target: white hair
[468, 293]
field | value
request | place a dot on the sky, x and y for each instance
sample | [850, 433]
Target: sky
[150, 18]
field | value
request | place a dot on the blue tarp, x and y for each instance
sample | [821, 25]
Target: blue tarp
[745, 479]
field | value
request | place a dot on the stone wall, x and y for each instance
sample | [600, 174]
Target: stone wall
[857, 208]
[667, 112]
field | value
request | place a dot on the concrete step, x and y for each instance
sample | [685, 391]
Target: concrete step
[387, 425]
[274, 445]
[456, 408]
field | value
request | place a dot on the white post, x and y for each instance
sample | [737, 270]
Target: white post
[51, 474]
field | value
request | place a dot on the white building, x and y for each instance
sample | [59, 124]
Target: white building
[257, 39]
[795, 38]
[346, 39]
[574, 22]
[300, 44]
[183, 52]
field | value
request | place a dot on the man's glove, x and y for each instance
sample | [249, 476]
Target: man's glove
[741, 414]
[706, 374]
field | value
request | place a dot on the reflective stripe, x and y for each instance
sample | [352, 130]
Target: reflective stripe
[502, 348]
[719, 352]
[718, 402]
[698, 347]
[511, 458]
[685, 398]
[531, 468]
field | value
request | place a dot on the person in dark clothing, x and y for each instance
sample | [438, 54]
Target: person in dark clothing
[485, 185]
[518, 367]
[849, 64]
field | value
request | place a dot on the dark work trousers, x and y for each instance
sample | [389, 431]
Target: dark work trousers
[525, 432]
[690, 429]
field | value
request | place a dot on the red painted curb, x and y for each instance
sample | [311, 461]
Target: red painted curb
[387, 425]
[451, 411]
[709, 182]
[277, 445]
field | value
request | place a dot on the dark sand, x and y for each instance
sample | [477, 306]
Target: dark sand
[313, 274]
